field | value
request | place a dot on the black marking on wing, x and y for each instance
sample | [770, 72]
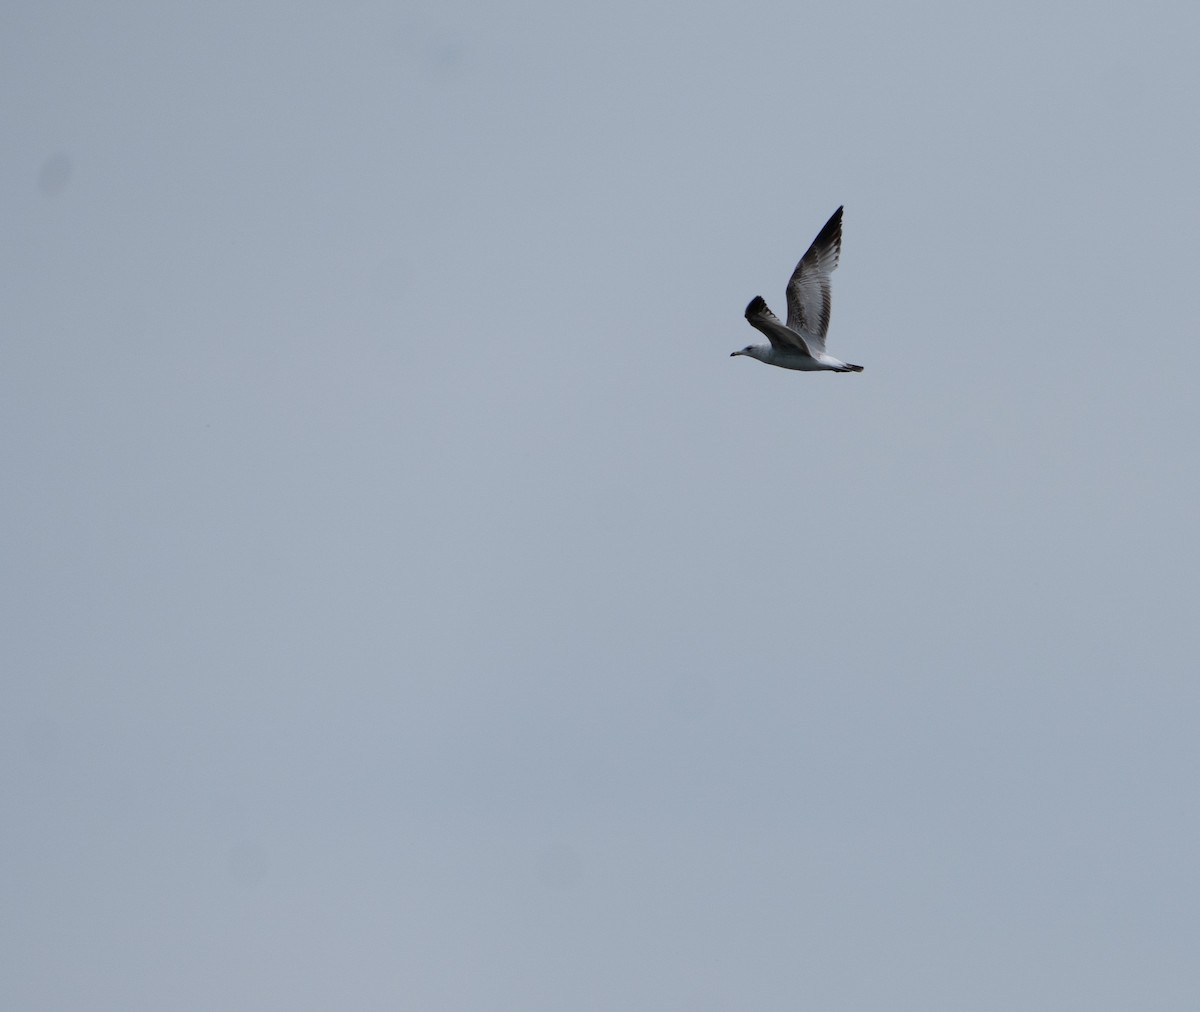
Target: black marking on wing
[762, 319]
[809, 296]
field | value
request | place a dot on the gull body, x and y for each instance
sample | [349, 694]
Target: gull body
[800, 343]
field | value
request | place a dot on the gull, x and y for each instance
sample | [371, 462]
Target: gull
[800, 343]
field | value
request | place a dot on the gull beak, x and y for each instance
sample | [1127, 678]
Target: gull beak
[734, 354]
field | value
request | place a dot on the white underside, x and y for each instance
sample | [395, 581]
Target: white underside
[786, 359]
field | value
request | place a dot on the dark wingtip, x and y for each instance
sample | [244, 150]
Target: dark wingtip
[833, 227]
[757, 305]
[855, 368]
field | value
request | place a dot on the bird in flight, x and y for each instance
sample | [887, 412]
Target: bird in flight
[800, 343]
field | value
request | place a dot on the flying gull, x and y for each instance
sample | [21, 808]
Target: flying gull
[800, 344]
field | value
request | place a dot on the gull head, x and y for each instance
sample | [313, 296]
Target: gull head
[758, 351]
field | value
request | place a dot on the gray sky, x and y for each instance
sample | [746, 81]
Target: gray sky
[410, 605]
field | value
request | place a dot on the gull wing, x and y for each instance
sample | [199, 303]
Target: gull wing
[781, 337]
[808, 292]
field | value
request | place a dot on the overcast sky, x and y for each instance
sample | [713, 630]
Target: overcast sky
[408, 604]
